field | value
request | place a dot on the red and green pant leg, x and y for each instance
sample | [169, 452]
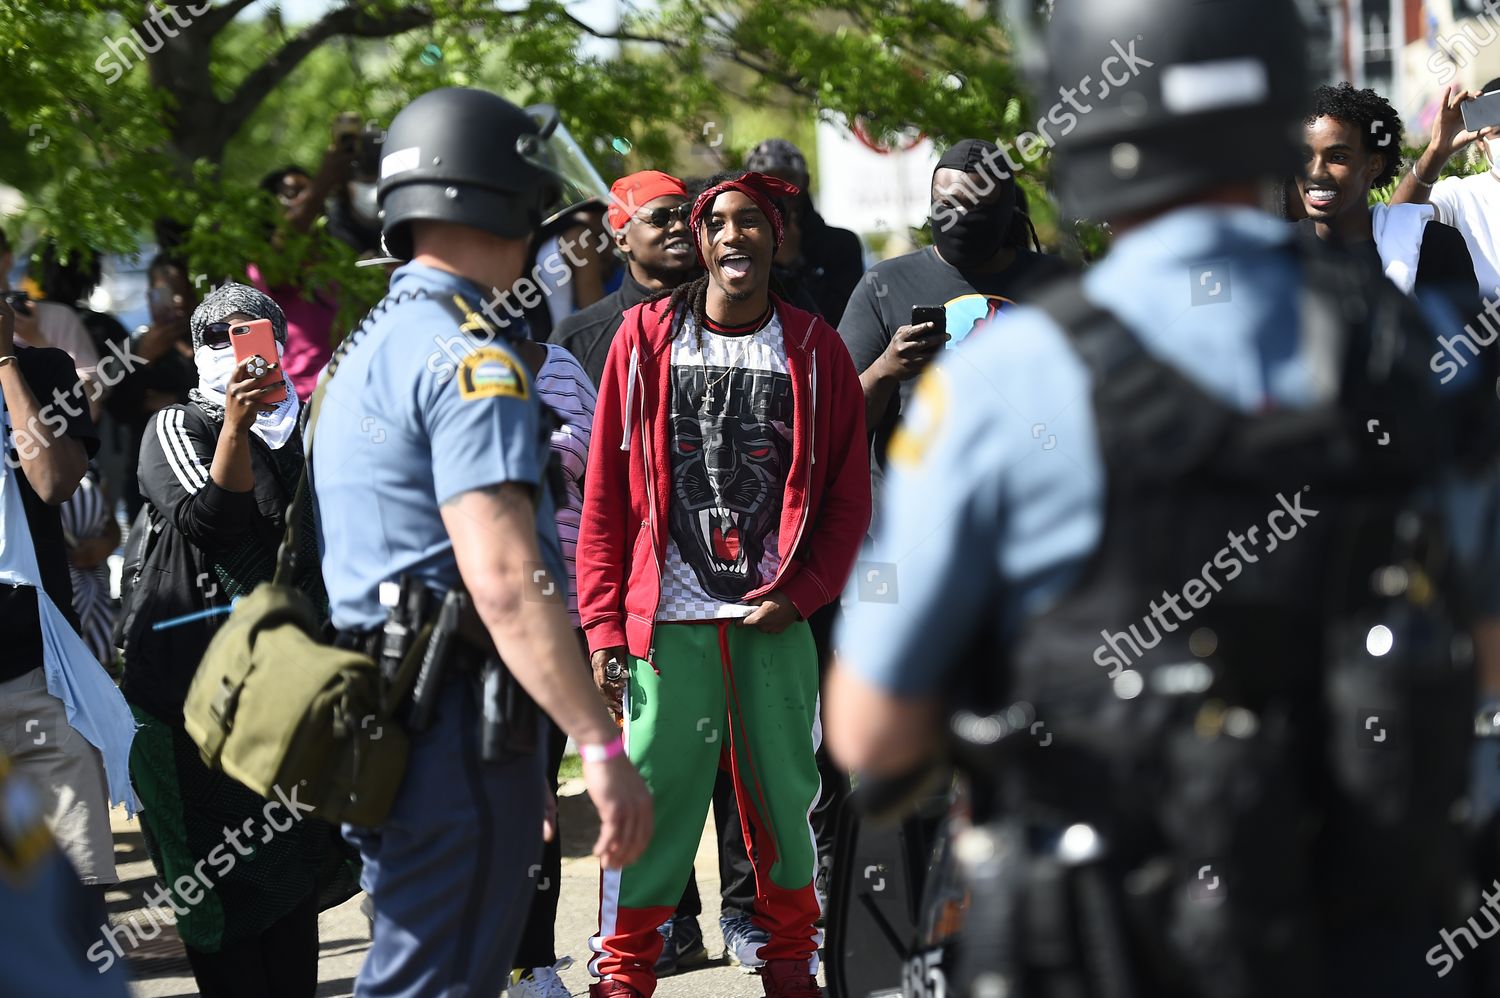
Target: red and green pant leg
[731, 693]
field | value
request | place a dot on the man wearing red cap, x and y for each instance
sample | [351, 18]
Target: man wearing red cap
[648, 218]
[726, 497]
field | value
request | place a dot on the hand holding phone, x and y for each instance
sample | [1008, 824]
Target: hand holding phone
[934, 315]
[915, 344]
[346, 130]
[1482, 112]
[257, 339]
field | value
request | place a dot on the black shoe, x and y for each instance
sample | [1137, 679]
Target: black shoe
[682, 947]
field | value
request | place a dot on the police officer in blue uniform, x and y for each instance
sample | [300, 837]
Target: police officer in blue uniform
[1056, 531]
[54, 937]
[429, 466]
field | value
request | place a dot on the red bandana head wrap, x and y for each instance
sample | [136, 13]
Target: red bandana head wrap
[758, 187]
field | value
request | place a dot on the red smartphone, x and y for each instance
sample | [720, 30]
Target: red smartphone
[256, 337]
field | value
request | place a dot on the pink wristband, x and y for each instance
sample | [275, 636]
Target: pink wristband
[603, 753]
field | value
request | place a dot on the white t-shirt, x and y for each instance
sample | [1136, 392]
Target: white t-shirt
[551, 265]
[1472, 206]
[731, 452]
[59, 326]
[563, 384]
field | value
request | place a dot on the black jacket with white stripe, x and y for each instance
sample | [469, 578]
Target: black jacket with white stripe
[194, 523]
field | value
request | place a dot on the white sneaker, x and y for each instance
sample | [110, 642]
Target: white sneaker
[540, 982]
[742, 941]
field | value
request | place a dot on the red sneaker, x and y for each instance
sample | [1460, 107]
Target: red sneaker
[789, 979]
[612, 989]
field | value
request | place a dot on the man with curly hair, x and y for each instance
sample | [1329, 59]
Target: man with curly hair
[1352, 142]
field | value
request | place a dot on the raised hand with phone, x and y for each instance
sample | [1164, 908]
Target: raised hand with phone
[1464, 117]
[245, 398]
[911, 349]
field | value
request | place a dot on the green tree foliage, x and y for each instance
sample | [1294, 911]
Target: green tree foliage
[117, 115]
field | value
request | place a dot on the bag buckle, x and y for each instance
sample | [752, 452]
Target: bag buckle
[226, 699]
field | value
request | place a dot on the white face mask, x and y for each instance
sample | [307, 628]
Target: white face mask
[214, 367]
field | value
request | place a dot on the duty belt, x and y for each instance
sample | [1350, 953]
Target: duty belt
[458, 647]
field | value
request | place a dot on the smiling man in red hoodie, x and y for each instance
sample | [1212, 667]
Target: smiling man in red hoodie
[726, 498]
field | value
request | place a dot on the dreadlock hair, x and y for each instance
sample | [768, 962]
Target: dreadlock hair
[691, 297]
[1378, 123]
[1022, 234]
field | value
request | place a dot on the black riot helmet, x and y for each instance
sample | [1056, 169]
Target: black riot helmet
[1172, 96]
[466, 156]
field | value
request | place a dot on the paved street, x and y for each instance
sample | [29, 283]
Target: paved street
[159, 969]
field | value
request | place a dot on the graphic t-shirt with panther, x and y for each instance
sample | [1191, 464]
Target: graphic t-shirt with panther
[731, 451]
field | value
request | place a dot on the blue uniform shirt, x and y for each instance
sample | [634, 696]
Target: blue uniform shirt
[997, 495]
[418, 413]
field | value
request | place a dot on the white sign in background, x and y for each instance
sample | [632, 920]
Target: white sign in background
[868, 191]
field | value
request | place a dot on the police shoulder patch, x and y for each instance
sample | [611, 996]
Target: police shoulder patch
[24, 838]
[920, 426]
[490, 372]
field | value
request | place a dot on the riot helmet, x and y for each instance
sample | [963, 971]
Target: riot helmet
[1170, 97]
[466, 156]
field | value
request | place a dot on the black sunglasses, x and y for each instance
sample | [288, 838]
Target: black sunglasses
[662, 218]
[216, 334]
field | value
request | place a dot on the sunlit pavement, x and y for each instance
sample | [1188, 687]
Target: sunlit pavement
[159, 968]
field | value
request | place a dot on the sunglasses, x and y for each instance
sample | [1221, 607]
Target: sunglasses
[216, 334]
[662, 218]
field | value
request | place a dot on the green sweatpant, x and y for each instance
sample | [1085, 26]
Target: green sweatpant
[720, 693]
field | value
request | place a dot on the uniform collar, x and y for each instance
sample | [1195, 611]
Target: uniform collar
[413, 277]
[419, 276]
[1197, 234]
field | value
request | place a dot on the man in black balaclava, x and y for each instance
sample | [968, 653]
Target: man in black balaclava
[973, 270]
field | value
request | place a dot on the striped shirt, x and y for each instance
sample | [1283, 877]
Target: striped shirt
[84, 517]
[563, 384]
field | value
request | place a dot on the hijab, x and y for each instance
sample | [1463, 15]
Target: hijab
[216, 365]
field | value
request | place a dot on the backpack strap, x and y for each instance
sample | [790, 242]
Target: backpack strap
[1154, 421]
[1144, 408]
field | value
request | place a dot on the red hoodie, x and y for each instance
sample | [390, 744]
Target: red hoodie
[622, 542]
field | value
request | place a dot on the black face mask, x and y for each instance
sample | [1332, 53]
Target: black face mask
[971, 239]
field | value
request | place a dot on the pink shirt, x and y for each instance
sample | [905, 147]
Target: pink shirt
[308, 328]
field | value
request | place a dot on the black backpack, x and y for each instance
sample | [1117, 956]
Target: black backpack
[1278, 774]
[140, 541]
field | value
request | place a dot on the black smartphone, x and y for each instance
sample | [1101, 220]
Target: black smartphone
[1481, 112]
[935, 314]
[19, 301]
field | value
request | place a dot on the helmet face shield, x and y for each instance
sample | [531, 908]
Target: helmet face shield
[554, 151]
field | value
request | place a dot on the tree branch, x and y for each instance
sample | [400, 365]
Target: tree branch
[214, 21]
[622, 36]
[345, 21]
[791, 82]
